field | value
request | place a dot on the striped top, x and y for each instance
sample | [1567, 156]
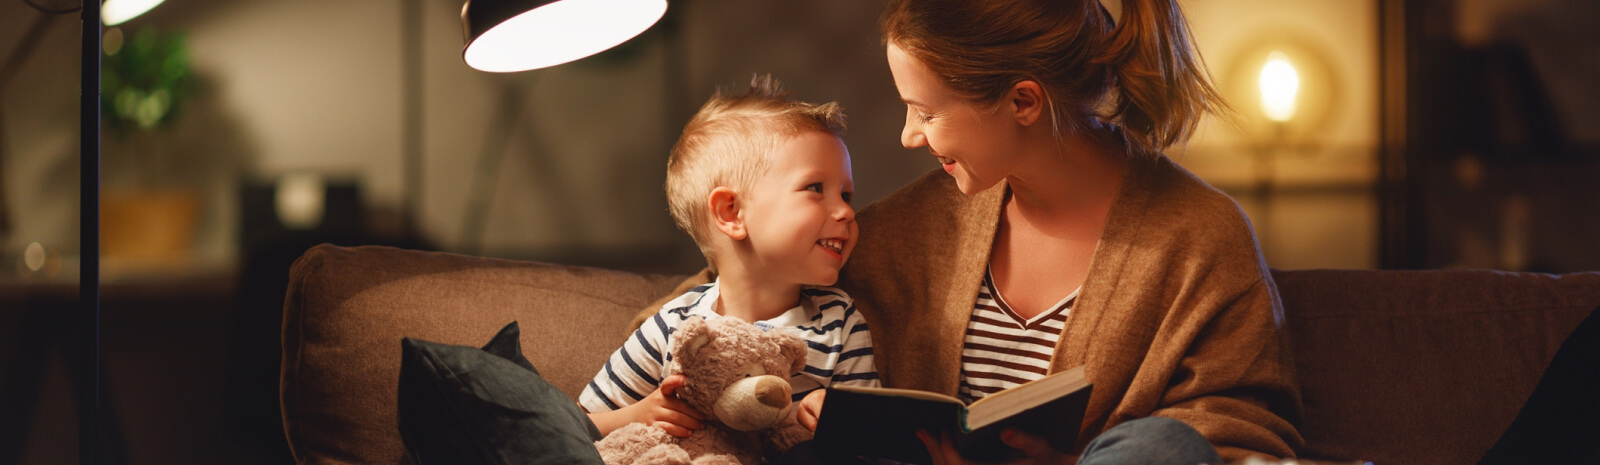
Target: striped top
[1002, 349]
[826, 318]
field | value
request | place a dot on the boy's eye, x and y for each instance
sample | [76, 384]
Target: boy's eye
[846, 196]
[814, 187]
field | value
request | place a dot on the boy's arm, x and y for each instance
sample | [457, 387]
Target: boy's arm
[629, 388]
[661, 408]
[855, 366]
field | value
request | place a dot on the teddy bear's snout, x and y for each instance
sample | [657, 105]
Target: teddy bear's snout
[773, 392]
[754, 403]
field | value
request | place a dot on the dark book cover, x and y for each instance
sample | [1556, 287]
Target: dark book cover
[883, 422]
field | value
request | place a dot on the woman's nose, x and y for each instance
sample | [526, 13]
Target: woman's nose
[911, 137]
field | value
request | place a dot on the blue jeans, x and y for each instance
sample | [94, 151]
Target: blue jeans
[1150, 441]
[1146, 441]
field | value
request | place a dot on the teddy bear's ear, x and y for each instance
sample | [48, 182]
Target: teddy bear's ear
[690, 337]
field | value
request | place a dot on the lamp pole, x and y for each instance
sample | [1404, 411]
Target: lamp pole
[89, 238]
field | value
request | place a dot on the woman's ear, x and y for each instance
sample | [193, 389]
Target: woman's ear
[1027, 102]
[725, 211]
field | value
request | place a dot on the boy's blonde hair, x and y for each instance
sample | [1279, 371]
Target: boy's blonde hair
[730, 141]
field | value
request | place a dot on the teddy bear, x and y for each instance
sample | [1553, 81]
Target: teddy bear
[738, 376]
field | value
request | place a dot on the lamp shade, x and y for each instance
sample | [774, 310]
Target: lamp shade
[519, 35]
[115, 12]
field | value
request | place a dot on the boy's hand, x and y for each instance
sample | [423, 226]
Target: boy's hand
[663, 409]
[811, 409]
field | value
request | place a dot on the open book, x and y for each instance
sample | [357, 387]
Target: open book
[883, 422]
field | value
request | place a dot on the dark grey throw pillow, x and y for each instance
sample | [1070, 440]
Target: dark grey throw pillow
[465, 405]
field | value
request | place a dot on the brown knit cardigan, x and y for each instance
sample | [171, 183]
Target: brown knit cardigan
[1178, 317]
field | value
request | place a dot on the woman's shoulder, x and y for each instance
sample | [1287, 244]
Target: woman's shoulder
[1168, 200]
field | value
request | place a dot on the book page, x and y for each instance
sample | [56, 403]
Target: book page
[911, 393]
[1004, 404]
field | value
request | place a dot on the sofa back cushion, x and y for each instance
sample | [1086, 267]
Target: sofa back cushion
[348, 308]
[1423, 367]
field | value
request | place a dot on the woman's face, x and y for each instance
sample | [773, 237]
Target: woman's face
[970, 140]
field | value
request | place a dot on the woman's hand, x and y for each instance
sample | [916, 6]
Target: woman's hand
[811, 409]
[1034, 450]
[661, 408]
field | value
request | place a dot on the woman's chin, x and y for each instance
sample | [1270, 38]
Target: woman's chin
[969, 186]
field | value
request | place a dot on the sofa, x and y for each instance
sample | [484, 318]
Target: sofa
[1396, 367]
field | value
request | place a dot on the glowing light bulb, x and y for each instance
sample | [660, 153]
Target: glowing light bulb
[1279, 85]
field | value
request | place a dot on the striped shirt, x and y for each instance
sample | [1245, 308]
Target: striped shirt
[840, 347]
[1002, 349]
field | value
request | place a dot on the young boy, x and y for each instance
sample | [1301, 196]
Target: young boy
[762, 183]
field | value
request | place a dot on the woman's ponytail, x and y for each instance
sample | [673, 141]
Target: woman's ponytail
[1162, 87]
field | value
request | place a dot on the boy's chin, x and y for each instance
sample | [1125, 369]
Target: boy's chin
[825, 280]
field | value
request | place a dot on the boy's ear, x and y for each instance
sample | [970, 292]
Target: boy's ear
[725, 211]
[1027, 102]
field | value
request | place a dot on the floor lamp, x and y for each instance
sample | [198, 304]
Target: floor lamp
[505, 36]
[89, 396]
[89, 238]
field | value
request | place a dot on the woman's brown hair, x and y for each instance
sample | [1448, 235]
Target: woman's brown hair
[1141, 71]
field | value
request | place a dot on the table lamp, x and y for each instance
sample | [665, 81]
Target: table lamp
[1279, 84]
[518, 35]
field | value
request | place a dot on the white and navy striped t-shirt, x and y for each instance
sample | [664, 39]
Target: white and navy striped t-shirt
[1002, 349]
[840, 347]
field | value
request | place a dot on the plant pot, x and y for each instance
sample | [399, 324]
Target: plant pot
[148, 227]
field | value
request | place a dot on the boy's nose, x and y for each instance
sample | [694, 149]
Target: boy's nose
[845, 213]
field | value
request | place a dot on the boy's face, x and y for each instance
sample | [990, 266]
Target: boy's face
[798, 213]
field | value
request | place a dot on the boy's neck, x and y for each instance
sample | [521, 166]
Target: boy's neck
[752, 300]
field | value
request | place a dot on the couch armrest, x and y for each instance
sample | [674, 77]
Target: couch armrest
[347, 308]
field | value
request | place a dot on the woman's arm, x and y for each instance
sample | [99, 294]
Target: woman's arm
[1236, 382]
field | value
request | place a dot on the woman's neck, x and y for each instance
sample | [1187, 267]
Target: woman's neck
[742, 295]
[1076, 176]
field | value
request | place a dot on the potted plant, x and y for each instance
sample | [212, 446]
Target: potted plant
[149, 207]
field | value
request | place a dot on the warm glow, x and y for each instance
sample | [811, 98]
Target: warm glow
[560, 32]
[33, 257]
[300, 201]
[115, 12]
[1279, 84]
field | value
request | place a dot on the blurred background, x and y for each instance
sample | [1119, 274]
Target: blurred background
[1393, 134]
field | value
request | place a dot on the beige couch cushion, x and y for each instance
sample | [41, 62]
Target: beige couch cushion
[347, 309]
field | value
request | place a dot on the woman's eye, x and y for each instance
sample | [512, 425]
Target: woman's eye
[814, 187]
[924, 117]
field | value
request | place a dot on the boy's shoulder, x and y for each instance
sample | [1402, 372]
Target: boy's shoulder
[695, 301]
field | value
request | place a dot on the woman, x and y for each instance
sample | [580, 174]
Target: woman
[1048, 118]
[1058, 235]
